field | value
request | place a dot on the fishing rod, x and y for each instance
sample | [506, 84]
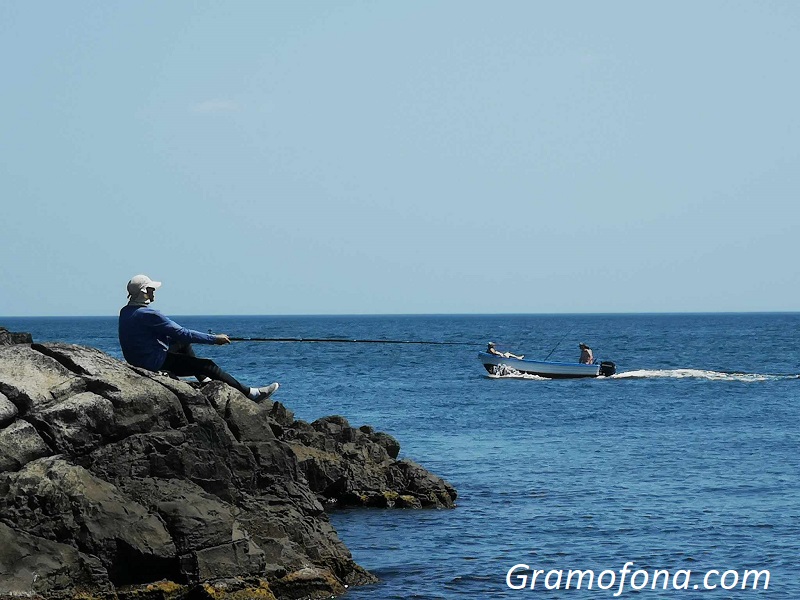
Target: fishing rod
[345, 341]
[558, 344]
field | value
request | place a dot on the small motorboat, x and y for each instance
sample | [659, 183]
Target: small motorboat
[501, 365]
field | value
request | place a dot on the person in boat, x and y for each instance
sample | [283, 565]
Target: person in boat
[154, 342]
[490, 348]
[587, 358]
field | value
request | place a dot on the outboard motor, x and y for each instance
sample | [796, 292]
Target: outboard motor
[607, 368]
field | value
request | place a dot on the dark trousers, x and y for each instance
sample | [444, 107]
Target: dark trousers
[182, 361]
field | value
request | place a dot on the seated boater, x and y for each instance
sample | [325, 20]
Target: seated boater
[490, 348]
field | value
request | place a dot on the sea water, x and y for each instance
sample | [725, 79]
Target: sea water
[686, 460]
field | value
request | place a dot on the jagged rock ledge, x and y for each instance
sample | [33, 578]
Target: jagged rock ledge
[118, 483]
[9, 337]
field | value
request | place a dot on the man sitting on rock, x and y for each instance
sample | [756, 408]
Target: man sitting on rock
[152, 341]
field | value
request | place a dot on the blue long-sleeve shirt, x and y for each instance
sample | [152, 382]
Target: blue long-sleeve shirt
[145, 334]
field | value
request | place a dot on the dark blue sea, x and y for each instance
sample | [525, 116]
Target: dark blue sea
[687, 460]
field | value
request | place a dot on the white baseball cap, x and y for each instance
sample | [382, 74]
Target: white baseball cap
[139, 283]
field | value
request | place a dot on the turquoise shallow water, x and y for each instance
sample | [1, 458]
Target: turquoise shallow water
[687, 459]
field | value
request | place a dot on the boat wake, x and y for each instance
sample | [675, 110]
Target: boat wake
[700, 374]
[506, 372]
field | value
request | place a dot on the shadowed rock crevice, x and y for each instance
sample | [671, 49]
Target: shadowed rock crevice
[63, 359]
[115, 481]
[44, 433]
[132, 566]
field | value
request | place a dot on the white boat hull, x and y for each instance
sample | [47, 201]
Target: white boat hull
[553, 370]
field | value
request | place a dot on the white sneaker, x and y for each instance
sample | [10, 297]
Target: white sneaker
[266, 392]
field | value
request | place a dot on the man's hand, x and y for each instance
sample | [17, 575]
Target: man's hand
[221, 339]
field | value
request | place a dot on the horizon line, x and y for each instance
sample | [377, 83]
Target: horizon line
[433, 314]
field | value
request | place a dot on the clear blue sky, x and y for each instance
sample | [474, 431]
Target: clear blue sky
[400, 157]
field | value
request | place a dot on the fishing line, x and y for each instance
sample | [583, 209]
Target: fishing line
[346, 341]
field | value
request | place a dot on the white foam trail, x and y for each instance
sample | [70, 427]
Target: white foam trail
[506, 372]
[697, 374]
[519, 376]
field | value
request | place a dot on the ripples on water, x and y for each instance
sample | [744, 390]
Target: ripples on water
[688, 458]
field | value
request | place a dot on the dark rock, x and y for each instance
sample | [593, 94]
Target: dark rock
[387, 442]
[196, 405]
[140, 404]
[207, 457]
[120, 483]
[31, 566]
[8, 410]
[423, 485]
[76, 508]
[77, 425]
[20, 443]
[233, 588]
[308, 582]
[356, 467]
[248, 421]
[33, 381]
[281, 415]
[7, 338]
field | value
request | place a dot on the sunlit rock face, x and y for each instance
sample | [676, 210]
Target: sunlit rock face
[118, 483]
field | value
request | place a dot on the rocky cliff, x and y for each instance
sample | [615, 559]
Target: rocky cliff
[118, 483]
